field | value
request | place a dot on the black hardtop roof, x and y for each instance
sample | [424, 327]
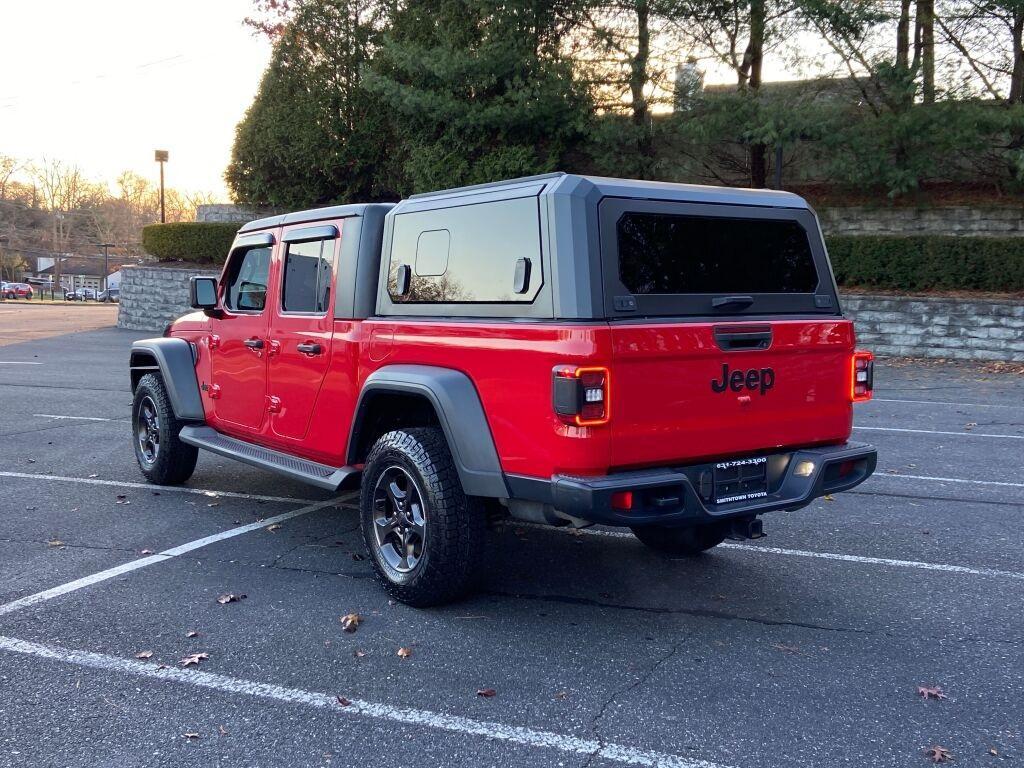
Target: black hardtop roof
[563, 184]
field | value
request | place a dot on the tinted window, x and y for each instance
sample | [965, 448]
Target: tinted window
[467, 254]
[672, 254]
[246, 287]
[307, 276]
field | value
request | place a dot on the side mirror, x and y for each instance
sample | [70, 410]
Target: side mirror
[202, 292]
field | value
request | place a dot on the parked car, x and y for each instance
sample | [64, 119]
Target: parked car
[559, 349]
[81, 294]
[110, 294]
[17, 291]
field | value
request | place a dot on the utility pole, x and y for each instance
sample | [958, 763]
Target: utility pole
[106, 268]
[161, 156]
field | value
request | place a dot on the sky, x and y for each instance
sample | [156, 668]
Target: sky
[102, 84]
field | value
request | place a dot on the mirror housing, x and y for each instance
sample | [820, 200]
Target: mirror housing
[202, 293]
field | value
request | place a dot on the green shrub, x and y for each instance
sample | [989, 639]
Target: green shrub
[200, 242]
[930, 262]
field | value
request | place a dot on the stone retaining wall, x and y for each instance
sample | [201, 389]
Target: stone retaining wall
[949, 328]
[152, 296]
[949, 220]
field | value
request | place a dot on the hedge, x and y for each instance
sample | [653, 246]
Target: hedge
[928, 262]
[201, 242]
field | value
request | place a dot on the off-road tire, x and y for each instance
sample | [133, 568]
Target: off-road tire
[455, 525]
[682, 541]
[174, 461]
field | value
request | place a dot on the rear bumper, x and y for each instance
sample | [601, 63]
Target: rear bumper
[683, 495]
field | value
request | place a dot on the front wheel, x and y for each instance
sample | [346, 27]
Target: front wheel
[682, 541]
[162, 457]
[425, 537]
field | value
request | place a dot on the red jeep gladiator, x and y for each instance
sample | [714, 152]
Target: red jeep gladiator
[560, 349]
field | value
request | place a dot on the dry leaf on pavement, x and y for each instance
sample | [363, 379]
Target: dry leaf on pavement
[55, 543]
[931, 692]
[404, 653]
[190, 735]
[343, 701]
[274, 527]
[192, 633]
[230, 598]
[350, 622]
[487, 693]
[194, 658]
[222, 730]
[144, 655]
[939, 754]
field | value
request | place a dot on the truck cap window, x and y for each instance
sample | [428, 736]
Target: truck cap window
[679, 254]
[246, 284]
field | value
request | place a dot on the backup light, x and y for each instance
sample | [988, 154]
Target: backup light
[804, 469]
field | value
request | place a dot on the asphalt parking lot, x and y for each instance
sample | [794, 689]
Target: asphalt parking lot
[806, 648]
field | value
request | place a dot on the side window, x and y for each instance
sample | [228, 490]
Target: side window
[484, 253]
[245, 288]
[307, 277]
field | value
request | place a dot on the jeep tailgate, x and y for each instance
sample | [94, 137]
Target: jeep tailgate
[665, 409]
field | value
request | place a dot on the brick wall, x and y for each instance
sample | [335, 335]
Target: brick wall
[152, 296]
[950, 328]
[950, 220]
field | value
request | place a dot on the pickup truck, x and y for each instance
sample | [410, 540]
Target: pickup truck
[559, 349]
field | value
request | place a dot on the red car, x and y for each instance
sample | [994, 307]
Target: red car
[17, 291]
[557, 349]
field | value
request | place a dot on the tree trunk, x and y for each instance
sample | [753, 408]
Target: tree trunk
[638, 79]
[755, 49]
[903, 38]
[1016, 95]
[926, 41]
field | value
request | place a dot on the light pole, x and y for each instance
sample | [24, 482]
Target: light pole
[106, 269]
[161, 156]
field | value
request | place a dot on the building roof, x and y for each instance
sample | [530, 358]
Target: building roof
[80, 266]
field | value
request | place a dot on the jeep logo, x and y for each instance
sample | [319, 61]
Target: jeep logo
[761, 380]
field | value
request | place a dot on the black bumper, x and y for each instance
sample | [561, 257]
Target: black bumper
[686, 495]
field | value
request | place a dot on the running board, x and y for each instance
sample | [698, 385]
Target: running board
[305, 470]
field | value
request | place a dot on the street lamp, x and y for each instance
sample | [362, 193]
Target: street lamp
[161, 155]
[106, 269]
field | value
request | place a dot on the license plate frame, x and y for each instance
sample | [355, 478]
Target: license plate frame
[740, 480]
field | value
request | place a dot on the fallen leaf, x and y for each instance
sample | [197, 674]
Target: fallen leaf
[230, 598]
[350, 622]
[191, 735]
[404, 653]
[931, 693]
[939, 754]
[31, 461]
[213, 504]
[487, 693]
[144, 655]
[343, 701]
[195, 658]
[222, 730]
[55, 543]
[93, 475]
[358, 653]
[162, 666]
[274, 527]
[828, 497]
[146, 552]
[560, 695]
[192, 633]
[970, 425]
[31, 509]
[121, 499]
[787, 648]
[993, 751]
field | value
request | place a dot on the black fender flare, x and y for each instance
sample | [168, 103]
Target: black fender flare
[460, 412]
[175, 361]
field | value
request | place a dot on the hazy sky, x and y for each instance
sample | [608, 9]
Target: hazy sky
[102, 84]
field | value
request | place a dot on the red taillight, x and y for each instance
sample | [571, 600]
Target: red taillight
[581, 396]
[622, 500]
[862, 376]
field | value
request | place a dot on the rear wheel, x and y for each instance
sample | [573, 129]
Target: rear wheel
[162, 457]
[424, 535]
[682, 541]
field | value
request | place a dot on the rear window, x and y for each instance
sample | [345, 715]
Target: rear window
[678, 254]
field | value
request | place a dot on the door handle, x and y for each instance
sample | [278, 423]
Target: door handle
[254, 343]
[309, 348]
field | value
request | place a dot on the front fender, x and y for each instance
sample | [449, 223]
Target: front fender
[174, 360]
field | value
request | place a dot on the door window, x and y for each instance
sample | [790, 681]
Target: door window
[246, 285]
[307, 277]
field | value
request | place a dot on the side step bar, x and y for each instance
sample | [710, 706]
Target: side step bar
[320, 475]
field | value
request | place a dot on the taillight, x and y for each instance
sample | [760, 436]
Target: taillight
[580, 396]
[862, 376]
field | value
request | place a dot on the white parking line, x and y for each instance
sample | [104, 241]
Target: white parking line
[807, 553]
[425, 718]
[944, 402]
[16, 362]
[940, 432]
[153, 487]
[160, 557]
[76, 418]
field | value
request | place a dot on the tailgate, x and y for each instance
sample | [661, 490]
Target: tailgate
[686, 391]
